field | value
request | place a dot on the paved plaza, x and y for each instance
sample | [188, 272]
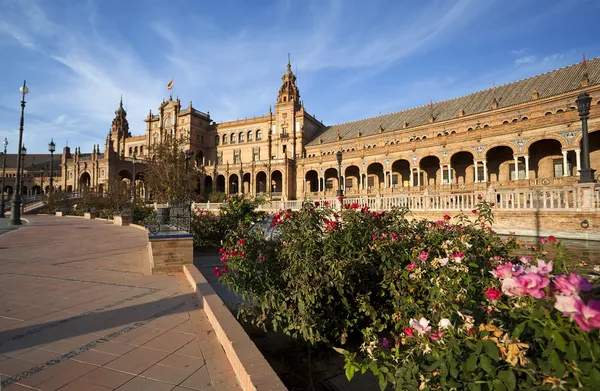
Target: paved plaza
[77, 313]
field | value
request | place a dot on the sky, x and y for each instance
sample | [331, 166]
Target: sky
[353, 59]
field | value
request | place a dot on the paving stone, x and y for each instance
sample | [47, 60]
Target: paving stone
[137, 361]
[107, 378]
[167, 374]
[143, 384]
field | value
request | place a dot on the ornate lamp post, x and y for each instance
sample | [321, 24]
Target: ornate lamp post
[586, 174]
[23, 153]
[338, 156]
[3, 175]
[133, 159]
[51, 148]
[15, 217]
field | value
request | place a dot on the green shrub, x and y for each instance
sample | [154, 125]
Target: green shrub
[217, 197]
[417, 303]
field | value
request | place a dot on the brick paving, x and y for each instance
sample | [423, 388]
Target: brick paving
[77, 313]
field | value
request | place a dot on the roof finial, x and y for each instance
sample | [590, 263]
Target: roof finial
[121, 102]
[289, 64]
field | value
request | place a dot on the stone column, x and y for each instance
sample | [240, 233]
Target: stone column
[419, 176]
[485, 173]
[441, 174]
[385, 176]
[565, 166]
[516, 168]
[411, 183]
[578, 160]
[304, 185]
[360, 182]
[449, 174]
[476, 171]
[526, 157]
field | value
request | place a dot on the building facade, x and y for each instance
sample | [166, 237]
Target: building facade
[523, 134]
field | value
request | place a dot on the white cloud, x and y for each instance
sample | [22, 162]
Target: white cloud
[525, 60]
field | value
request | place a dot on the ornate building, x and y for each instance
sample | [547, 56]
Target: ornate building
[523, 134]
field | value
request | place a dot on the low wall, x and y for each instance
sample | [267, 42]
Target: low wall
[169, 252]
[563, 225]
[251, 368]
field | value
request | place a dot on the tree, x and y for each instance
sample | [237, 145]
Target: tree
[170, 175]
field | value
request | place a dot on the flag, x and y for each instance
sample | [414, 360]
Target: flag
[170, 86]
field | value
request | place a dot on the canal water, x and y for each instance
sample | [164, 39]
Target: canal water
[586, 251]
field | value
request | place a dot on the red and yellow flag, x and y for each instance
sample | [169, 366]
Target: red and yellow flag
[170, 86]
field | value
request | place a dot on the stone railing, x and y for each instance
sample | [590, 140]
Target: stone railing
[566, 199]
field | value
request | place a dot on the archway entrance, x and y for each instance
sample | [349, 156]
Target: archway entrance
[430, 167]
[374, 176]
[352, 179]
[400, 173]
[208, 185]
[221, 184]
[234, 184]
[463, 165]
[498, 163]
[276, 183]
[261, 182]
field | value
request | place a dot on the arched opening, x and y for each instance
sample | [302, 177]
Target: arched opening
[312, 181]
[69, 188]
[261, 182]
[249, 135]
[400, 173]
[217, 139]
[352, 179]
[199, 158]
[241, 137]
[258, 135]
[331, 179]
[85, 181]
[234, 184]
[208, 185]
[100, 188]
[498, 163]
[430, 167]
[224, 139]
[462, 163]
[24, 190]
[35, 190]
[546, 160]
[8, 190]
[221, 184]
[125, 174]
[232, 138]
[276, 183]
[375, 176]
[247, 183]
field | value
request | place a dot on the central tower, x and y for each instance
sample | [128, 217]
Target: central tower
[284, 131]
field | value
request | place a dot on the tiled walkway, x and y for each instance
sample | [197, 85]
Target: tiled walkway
[76, 313]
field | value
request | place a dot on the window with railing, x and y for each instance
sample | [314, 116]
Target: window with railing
[256, 153]
[220, 157]
[349, 182]
[479, 173]
[329, 184]
[237, 156]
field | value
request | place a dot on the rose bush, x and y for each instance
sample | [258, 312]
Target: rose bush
[421, 304]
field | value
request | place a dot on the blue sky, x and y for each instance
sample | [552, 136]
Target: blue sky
[354, 59]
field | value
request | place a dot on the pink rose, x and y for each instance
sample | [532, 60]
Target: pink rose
[587, 316]
[423, 256]
[543, 240]
[566, 304]
[436, 336]
[525, 259]
[511, 287]
[457, 257]
[533, 284]
[543, 268]
[411, 266]
[421, 326]
[408, 332]
[503, 271]
[572, 285]
[385, 343]
[493, 294]
[261, 258]
[374, 237]
[394, 236]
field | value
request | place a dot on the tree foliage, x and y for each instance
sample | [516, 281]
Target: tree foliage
[170, 176]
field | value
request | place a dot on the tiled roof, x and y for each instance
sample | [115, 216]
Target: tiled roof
[32, 161]
[547, 84]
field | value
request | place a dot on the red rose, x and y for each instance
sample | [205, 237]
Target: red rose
[470, 331]
[317, 203]
[408, 332]
[551, 239]
[447, 217]
[326, 203]
[479, 197]
[217, 271]
[340, 199]
[474, 211]
[493, 294]
[242, 241]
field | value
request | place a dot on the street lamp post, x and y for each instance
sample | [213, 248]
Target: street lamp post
[23, 153]
[133, 159]
[340, 191]
[3, 175]
[51, 148]
[42, 182]
[15, 217]
[586, 173]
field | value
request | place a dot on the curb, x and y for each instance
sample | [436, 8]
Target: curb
[251, 368]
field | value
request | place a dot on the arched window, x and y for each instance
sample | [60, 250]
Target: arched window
[548, 113]
[559, 111]
[486, 126]
[505, 123]
[142, 150]
[135, 150]
[424, 137]
[224, 139]
[258, 135]
[130, 151]
[440, 135]
[453, 132]
[241, 137]
[469, 130]
[217, 139]
[514, 120]
[524, 119]
[249, 135]
[232, 138]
